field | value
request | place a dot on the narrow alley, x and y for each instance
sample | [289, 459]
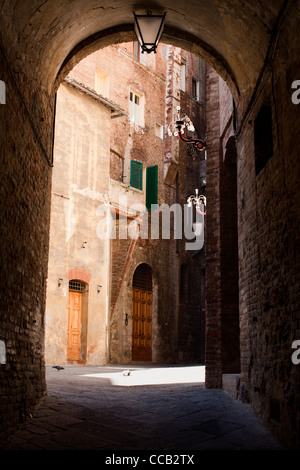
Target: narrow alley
[152, 408]
[197, 139]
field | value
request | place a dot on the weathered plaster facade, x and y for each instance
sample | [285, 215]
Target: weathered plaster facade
[80, 185]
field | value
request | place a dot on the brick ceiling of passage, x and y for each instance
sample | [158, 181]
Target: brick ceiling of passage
[38, 35]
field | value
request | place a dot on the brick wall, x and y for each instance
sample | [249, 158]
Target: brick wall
[25, 196]
[213, 350]
[191, 176]
[268, 241]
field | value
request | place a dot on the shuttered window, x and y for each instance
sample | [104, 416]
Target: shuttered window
[151, 186]
[136, 174]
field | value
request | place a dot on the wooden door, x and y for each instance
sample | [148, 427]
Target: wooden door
[141, 325]
[74, 326]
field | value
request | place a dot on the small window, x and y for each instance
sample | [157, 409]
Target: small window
[151, 186]
[263, 137]
[142, 278]
[159, 131]
[137, 53]
[136, 175]
[195, 89]
[136, 114]
[76, 286]
[102, 82]
[136, 50]
[182, 77]
[117, 167]
[164, 50]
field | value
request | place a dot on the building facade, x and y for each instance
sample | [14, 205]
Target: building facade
[78, 288]
[113, 246]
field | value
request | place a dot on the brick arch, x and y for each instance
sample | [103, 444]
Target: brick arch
[230, 154]
[143, 270]
[124, 33]
[154, 271]
[137, 154]
[79, 274]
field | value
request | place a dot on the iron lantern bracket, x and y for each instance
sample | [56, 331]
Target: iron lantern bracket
[199, 144]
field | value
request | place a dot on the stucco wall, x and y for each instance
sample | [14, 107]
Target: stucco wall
[80, 186]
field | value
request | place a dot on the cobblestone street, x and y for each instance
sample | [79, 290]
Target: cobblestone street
[152, 408]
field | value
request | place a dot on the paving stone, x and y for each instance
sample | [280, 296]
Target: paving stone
[108, 417]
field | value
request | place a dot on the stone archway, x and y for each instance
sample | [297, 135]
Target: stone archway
[251, 45]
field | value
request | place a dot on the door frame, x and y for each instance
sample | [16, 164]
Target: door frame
[154, 327]
[142, 352]
[80, 287]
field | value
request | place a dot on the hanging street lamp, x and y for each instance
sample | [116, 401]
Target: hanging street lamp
[199, 201]
[148, 29]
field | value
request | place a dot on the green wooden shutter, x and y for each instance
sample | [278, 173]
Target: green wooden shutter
[136, 174]
[151, 185]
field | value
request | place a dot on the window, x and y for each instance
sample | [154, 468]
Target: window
[76, 286]
[136, 181]
[195, 89]
[164, 50]
[134, 107]
[142, 278]
[136, 113]
[136, 50]
[117, 166]
[159, 131]
[137, 53]
[182, 77]
[151, 185]
[136, 174]
[102, 82]
[263, 137]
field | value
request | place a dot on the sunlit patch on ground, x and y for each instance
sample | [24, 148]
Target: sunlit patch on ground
[153, 376]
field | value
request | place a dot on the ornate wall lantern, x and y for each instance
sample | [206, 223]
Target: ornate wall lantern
[183, 124]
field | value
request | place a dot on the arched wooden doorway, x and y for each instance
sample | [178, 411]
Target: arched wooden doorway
[142, 314]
